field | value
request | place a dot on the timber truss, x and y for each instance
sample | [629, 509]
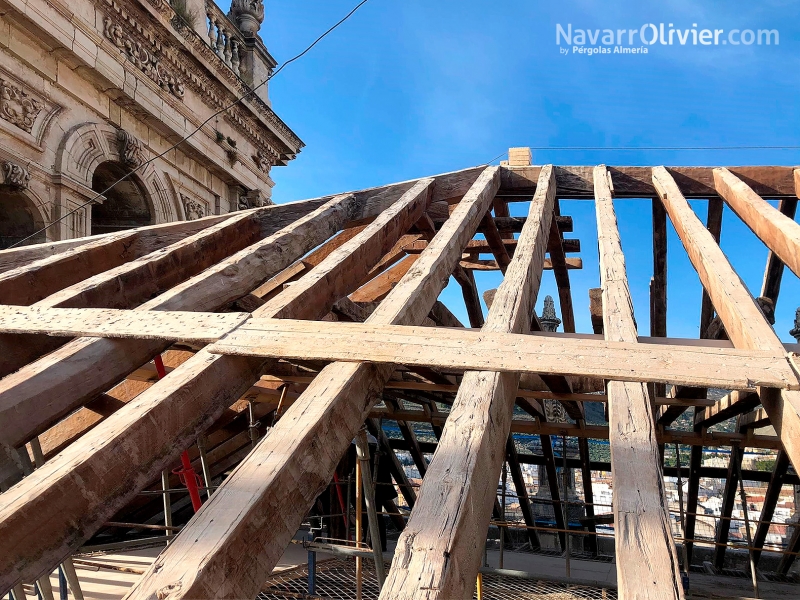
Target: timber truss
[329, 307]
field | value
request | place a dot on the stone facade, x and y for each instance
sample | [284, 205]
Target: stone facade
[91, 90]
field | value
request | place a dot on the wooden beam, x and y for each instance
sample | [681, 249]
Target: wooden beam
[576, 182]
[561, 273]
[471, 264]
[552, 480]
[435, 556]
[714, 227]
[469, 289]
[37, 395]
[668, 413]
[396, 468]
[588, 493]
[647, 565]
[522, 493]
[778, 232]
[770, 502]
[730, 405]
[726, 510]
[658, 284]
[495, 242]
[102, 322]
[464, 350]
[744, 322]
[755, 419]
[773, 273]
[379, 287]
[596, 309]
[477, 247]
[309, 439]
[601, 432]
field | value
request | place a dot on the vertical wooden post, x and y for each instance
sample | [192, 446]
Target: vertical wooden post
[743, 497]
[362, 449]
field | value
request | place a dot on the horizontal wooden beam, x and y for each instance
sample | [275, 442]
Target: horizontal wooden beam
[491, 265]
[105, 322]
[600, 432]
[636, 182]
[469, 350]
[149, 374]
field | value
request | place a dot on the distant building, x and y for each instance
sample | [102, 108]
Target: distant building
[91, 89]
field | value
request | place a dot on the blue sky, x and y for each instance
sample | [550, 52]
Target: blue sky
[413, 88]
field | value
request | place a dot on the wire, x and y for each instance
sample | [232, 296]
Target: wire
[203, 124]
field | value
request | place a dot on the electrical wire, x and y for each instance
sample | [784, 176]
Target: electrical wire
[203, 124]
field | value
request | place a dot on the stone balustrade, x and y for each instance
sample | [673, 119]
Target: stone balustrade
[224, 38]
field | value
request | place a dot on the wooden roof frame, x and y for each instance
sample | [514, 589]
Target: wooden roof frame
[78, 317]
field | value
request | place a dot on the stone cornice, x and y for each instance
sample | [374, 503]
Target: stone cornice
[250, 118]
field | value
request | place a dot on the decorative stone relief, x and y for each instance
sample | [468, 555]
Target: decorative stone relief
[130, 150]
[15, 176]
[143, 58]
[248, 15]
[262, 161]
[549, 320]
[795, 333]
[18, 107]
[194, 209]
[253, 199]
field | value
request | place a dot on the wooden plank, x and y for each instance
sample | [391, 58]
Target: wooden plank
[647, 565]
[435, 555]
[463, 350]
[755, 419]
[773, 273]
[744, 322]
[102, 322]
[37, 395]
[778, 232]
[636, 182]
[272, 489]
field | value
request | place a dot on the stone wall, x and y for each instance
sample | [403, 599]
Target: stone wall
[88, 82]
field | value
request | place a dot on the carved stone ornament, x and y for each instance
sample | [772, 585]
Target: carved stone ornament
[253, 199]
[194, 209]
[262, 162]
[18, 107]
[143, 58]
[15, 176]
[549, 320]
[130, 150]
[795, 333]
[248, 15]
